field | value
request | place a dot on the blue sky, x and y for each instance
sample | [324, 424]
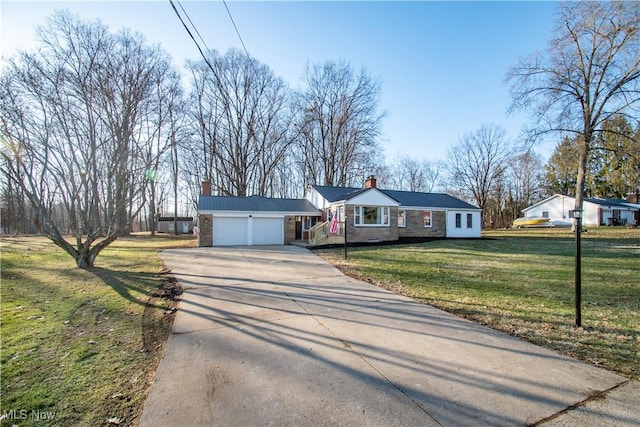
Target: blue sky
[441, 64]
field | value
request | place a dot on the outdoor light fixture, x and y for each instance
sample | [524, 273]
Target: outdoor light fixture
[577, 215]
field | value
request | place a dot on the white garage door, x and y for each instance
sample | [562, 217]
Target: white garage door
[229, 231]
[268, 231]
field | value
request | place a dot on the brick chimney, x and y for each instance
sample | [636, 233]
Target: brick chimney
[206, 188]
[370, 182]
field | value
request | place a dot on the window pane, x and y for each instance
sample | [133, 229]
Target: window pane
[370, 215]
[385, 215]
[427, 218]
[458, 220]
[469, 221]
[401, 214]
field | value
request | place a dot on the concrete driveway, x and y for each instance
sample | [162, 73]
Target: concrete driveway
[277, 336]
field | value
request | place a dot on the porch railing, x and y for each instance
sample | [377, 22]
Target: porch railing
[320, 234]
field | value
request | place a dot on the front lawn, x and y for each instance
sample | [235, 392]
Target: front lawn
[522, 282]
[80, 347]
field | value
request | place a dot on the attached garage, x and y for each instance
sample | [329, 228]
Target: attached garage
[254, 220]
[248, 230]
[229, 231]
[267, 231]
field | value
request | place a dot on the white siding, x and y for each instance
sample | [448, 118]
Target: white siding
[372, 197]
[463, 231]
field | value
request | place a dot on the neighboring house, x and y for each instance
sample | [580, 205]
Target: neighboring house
[596, 211]
[371, 214]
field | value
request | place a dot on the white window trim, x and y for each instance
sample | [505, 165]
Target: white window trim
[404, 216]
[358, 213]
[430, 218]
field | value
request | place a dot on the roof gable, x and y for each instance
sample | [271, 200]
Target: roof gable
[371, 197]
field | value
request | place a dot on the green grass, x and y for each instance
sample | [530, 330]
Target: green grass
[82, 345]
[522, 282]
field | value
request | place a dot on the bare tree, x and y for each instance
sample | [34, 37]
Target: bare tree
[477, 163]
[415, 175]
[339, 124]
[524, 182]
[589, 72]
[242, 122]
[158, 136]
[70, 111]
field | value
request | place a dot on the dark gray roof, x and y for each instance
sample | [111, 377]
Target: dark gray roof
[334, 194]
[255, 204]
[609, 202]
[428, 200]
[405, 198]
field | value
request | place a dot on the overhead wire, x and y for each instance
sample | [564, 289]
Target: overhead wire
[184, 24]
[193, 25]
[236, 28]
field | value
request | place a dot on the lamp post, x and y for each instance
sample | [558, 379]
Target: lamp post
[345, 233]
[577, 216]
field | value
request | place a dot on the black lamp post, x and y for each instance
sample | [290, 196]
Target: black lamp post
[577, 216]
[345, 233]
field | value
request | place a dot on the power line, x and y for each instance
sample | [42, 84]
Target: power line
[191, 35]
[234, 26]
[193, 25]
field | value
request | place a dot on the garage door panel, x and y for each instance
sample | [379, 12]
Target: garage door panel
[229, 231]
[268, 231]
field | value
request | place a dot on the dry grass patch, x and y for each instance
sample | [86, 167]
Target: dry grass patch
[82, 346]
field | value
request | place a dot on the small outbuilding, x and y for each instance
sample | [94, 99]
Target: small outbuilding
[167, 224]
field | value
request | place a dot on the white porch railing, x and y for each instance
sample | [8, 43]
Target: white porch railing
[320, 234]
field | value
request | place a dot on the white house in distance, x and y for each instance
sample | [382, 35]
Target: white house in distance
[596, 211]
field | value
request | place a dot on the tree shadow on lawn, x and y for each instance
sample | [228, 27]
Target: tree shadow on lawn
[126, 283]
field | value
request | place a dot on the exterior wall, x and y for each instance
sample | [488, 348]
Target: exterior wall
[464, 232]
[557, 207]
[414, 220]
[316, 199]
[289, 229]
[205, 230]
[372, 233]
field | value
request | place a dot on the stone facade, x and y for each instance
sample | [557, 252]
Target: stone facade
[205, 230]
[360, 234]
[414, 220]
[289, 229]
